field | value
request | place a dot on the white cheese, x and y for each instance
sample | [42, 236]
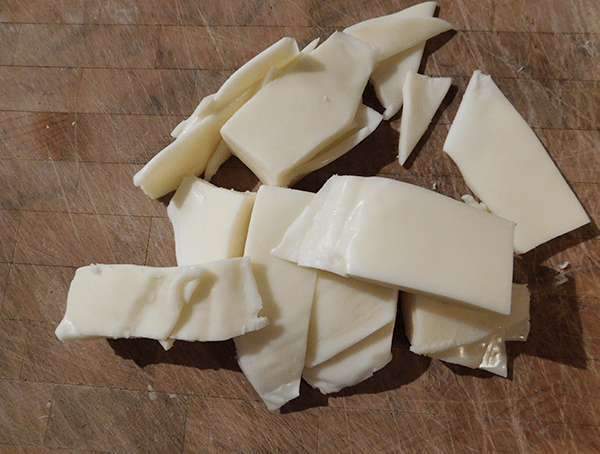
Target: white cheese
[353, 365]
[407, 237]
[345, 311]
[306, 108]
[222, 154]
[508, 169]
[388, 75]
[210, 223]
[422, 98]
[472, 338]
[225, 305]
[397, 32]
[122, 301]
[273, 358]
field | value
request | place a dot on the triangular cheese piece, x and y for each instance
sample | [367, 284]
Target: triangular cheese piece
[422, 98]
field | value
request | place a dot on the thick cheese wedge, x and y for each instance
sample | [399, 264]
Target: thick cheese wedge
[273, 358]
[459, 335]
[353, 365]
[422, 98]
[388, 75]
[303, 110]
[345, 311]
[507, 167]
[225, 305]
[210, 223]
[122, 301]
[397, 32]
[407, 237]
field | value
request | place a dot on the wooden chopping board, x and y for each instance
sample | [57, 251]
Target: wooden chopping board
[89, 92]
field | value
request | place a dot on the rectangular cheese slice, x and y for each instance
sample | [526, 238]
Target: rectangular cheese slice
[407, 237]
[507, 167]
[273, 358]
[210, 223]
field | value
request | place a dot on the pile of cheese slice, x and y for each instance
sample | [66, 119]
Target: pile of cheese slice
[308, 284]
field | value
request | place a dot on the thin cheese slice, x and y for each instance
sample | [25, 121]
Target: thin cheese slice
[422, 98]
[407, 237]
[210, 223]
[296, 115]
[353, 365]
[222, 154]
[273, 358]
[388, 75]
[507, 167]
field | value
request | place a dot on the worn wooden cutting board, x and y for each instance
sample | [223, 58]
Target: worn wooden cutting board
[89, 91]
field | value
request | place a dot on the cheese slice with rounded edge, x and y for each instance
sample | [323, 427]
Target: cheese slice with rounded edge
[272, 358]
[122, 301]
[355, 364]
[187, 155]
[222, 154]
[388, 75]
[397, 32]
[204, 108]
[422, 98]
[225, 305]
[507, 167]
[209, 222]
[407, 237]
[303, 110]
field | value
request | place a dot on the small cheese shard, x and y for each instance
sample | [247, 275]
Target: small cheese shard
[310, 105]
[122, 301]
[508, 168]
[353, 365]
[407, 237]
[397, 32]
[422, 98]
[210, 223]
[222, 154]
[472, 338]
[273, 358]
[345, 311]
[225, 305]
[388, 75]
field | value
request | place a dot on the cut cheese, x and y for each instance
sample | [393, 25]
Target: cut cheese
[508, 169]
[296, 115]
[210, 223]
[273, 358]
[422, 98]
[345, 311]
[222, 154]
[122, 301]
[458, 335]
[353, 365]
[407, 237]
[388, 75]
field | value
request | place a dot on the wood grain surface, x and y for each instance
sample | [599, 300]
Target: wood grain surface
[89, 92]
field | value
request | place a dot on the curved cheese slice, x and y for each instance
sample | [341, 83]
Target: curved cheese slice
[507, 167]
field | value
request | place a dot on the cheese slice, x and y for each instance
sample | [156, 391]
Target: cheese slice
[458, 335]
[296, 115]
[422, 98]
[210, 223]
[508, 168]
[224, 306]
[397, 32]
[388, 75]
[407, 237]
[273, 358]
[355, 364]
[204, 108]
[222, 154]
[122, 301]
[345, 311]
[188, 154]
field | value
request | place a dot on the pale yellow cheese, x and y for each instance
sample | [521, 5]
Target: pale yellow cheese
[210, 223]
[222, 154]
[508, 168]
[273, 358]
[303, 110]
[407, 237]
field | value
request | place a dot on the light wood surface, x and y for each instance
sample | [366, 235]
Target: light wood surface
[90, 90]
